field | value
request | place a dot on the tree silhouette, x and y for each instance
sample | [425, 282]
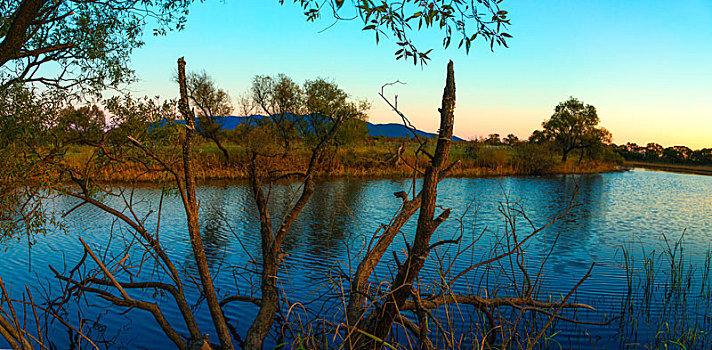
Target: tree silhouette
[212, 103]
[574, 126]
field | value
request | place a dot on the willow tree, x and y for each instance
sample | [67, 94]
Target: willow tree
[91, 41]
[86, 43]
[574, 126]
[462, 22]
[281, 99]
[211, 105]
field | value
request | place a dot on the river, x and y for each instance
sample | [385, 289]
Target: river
[617, 219]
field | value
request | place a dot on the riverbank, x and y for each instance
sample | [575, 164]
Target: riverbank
[238, 172]
[677, 168]
[360, 164]
[371, 159]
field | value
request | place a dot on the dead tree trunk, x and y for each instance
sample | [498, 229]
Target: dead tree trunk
[190, 203]
[358, 287]
[272, 240]
[270, 293]
[401, 288]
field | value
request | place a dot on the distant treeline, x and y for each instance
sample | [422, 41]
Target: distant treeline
[653, 152]
[569, 142]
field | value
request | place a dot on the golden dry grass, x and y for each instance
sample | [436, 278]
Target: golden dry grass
[367, 160]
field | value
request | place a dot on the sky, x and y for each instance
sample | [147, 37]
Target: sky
[646, 65]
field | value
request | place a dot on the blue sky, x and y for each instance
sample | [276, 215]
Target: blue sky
[645, 65]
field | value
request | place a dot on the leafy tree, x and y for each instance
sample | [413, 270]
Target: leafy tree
[324, 102]
[212, 104]
[538, 137]
[307, 112]
[87, 43]
[280, 98]
[633, 147]
[91, 41]
[138, 117]
[631, 151]
[702, 156]
[493, 140]
[676, 154]
[574, 126]
[671, 155]
[85, 124]
[684, 151]
[466, 19]
[597, 142]
[511, 140]
[352, 132]
[27, 158]
[653, 151]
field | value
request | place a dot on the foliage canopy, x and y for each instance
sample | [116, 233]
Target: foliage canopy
[69, 43]
[463, 19]
[574, 126]
[87, 44]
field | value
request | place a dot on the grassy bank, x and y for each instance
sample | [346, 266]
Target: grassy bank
[678, 168]
[371, 159]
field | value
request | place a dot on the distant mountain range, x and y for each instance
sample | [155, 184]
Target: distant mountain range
[383, 130]
[398, 130]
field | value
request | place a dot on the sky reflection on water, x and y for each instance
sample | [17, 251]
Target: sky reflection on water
[629, 209]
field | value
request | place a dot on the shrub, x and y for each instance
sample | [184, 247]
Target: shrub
[533, 159]
[492, 157]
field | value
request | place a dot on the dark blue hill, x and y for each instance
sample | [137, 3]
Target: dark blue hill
[382, 130]
[229, 122]
[398, 130]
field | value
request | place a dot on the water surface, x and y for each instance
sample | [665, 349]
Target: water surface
[636, 210]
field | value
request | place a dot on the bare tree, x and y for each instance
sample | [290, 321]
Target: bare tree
[281, 99]
[183, 176]
[212, 105]
[262, 177]
[246, 106]
[370, 330]
[178, 163]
